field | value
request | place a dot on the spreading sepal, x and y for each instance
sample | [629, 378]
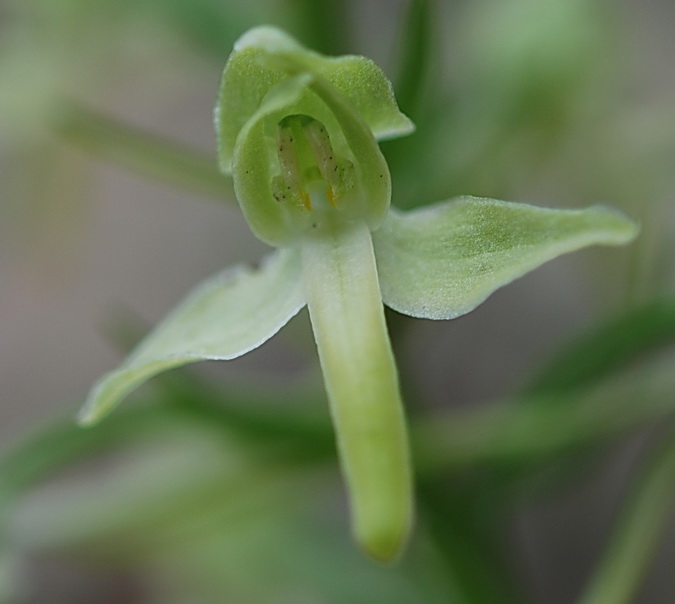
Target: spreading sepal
[223, 318]
[442, 261]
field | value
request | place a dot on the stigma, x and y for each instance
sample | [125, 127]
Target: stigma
[308, 165]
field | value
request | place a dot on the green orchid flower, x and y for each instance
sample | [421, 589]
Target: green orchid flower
[297, 131]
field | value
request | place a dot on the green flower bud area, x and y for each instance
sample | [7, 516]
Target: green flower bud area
[311, 172]
[298, 132]
[307, 162]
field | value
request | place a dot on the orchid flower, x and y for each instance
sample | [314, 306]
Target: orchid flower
[298, 133]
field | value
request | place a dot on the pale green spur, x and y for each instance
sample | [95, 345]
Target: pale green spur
[297, 131]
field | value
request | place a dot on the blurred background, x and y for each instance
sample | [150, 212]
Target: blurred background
[111, 210]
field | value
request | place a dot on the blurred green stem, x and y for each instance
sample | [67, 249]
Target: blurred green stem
[607, 348]
[584, 394]
[326, 25]
[64, 443]
[144, 153]
[181, 399]
[464, 520]
[541, 428]
[416, 50]
[637, 534]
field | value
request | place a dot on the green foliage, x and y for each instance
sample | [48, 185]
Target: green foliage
[215, 484]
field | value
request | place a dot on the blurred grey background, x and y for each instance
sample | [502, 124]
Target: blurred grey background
[83, 240]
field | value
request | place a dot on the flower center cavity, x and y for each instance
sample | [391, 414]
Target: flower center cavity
[310, 170]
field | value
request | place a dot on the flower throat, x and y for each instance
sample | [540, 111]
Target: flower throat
[308, 164]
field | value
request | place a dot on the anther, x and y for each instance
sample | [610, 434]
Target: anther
[305, 156]
[291, 173]
[332, 169]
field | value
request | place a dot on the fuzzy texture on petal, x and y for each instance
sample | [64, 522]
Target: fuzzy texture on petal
[223, 318]
[264, 56]
[441, 261]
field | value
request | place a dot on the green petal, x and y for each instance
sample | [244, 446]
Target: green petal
[268, 77]
[264, 56]
[362, 384]
[269, 220]
[442, 261]
[276, 223]
[225, 317]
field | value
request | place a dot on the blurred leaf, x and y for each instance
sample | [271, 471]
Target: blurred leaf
[323, 24]
[526, 74]
[533, 55]
[464, 519]
[298, 420]
[296, 427]
[143, 153]
[210, 26]
[607, 348]
[214, 530]
[638, 532]
[64, 443]
[511, 432]
[415, 50]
